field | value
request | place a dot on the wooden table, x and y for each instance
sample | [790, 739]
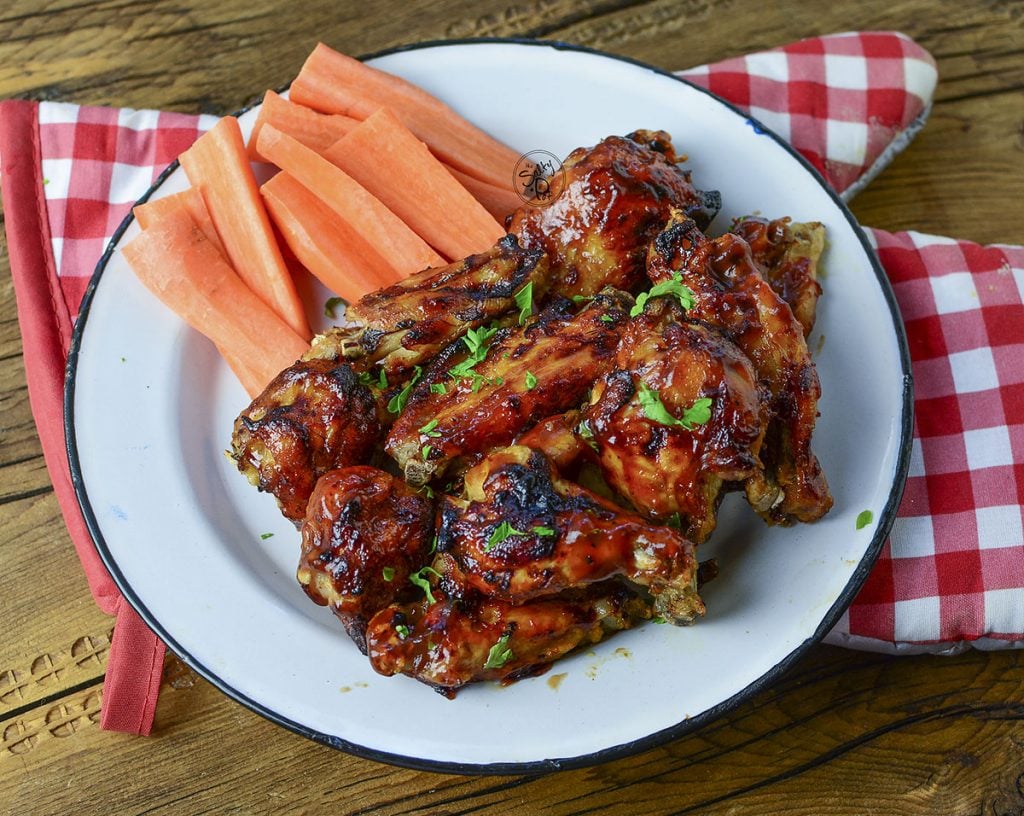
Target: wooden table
[844, 732]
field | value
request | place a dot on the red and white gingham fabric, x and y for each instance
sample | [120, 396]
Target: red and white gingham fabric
[954, 570]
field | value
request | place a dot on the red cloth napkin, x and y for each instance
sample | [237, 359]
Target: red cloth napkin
[953, 571]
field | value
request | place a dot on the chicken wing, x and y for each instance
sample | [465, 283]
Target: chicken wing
[730, 293]
[463, 407]
[450, 643]
[788, 254]
[680, 414]
[523, 532]
[364, 534]
[616, 197]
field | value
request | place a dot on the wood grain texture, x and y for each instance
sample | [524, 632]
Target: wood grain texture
[844, 732]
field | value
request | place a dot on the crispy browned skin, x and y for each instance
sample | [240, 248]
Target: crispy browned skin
[617, 196]
[315, 416]
[557, 439]
[665, 469]
[730, 293]
[563, 350]
[408, 323]
[450, 643]
[788, 254]
[364, 533]
[557, 536]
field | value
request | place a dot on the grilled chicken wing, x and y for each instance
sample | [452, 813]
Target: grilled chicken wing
[788, 254]
[450, 643]
[528, 373]
[315, 416]
[523, 532]
[650, 451]
[730, 293]
[617, 196]
[364, 534]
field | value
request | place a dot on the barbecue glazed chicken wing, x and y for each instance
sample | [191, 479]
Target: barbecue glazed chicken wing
[524, 375]
[522, 532]
[617, 196]
[449, 643]
[364, 534]
[730, 293]
[680, 414]
[788, 256]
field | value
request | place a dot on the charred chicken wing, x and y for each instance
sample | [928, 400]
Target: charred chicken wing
[617, 196]
[730, 293]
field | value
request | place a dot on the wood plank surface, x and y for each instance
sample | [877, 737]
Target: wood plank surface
[844, 732]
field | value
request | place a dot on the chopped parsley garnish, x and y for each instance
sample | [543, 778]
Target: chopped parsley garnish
[403, 631]
[428, 429]
[265, 536]
[531, 381]
[524, 300]
[438, 388]
[425, 452]
[674, 521]
[499, 534]
[581, 298]
[605, 318]
[366, 378]
[382, 381]
[864, 518]
[397, 403]
[500, 653]
[696, 414]
[586, 433]
[427, 491]
[478, 342]
[673, 286]
[331, 306]
[658, 619]
[388, 573]
[433, 545]
[544, 531]
[419, 579]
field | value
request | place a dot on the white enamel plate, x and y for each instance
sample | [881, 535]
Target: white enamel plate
[150, 408]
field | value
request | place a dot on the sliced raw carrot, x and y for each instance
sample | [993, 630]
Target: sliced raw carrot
[324, 242]
[317, 131]
[498, 201]
[334, 83]
[182, 267]
[218, 166]
[395, 242]
[192, 201]
[385, 158]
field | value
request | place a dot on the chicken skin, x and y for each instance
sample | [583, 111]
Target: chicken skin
[679, 415]
[364, 534]
[617, 196]
[522, 532]
[730, 293]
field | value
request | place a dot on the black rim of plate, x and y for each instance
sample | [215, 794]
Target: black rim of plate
[545, 765]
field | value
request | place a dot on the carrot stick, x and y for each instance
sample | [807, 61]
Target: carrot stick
[218, 166]
[152, 211]
[323, 242]
[182, 267]
[498, 201]
[334, 83]
[402, 248]
[385, 158]
[317, 131]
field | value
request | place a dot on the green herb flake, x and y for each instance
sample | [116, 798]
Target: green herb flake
[397, 403]
[499, 534]
[581, 298]
[331, 306]
[265, 536]
[654, 409]
[419, 579]
[658, 619]
[403, 631]
[864, 518]
[382, 381]
[433, 545]
[500, 653]
[427, 491]
[544, 531]
[388, 573]
[531, 381]
[428, 429]
[524, 300]
[425, 452]
[438, 388]
[606, 318]
[674, 286]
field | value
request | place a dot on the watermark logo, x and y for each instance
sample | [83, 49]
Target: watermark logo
[538, 178]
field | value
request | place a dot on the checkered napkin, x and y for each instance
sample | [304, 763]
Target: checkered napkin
[954, 569]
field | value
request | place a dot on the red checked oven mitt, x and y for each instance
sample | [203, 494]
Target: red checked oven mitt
[953, 571]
